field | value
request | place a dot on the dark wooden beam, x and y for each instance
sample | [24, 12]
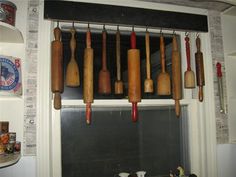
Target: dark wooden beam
[110, 14]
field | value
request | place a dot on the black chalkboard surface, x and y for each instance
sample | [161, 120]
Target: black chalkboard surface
[113, 144]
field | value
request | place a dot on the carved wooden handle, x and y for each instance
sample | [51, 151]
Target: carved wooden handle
[118, 55]
[72, 44]
[147, 41]
[133, 40]
[88, 39]
[162, 53]
[134, 112]
[104, 50]
[88, 113]
[187, 46]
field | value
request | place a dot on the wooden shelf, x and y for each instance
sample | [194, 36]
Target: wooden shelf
[9, 159]
[10, 34]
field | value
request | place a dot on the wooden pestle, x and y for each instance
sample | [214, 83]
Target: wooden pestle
[118, 82]
[104, 80]
[189, 76]
[72, 71]
[148, 83]
[163, 79]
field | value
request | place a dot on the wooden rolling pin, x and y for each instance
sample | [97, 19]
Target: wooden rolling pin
[148, 83]
[118, 82]
[72, 71]
[163, 79]
[176, 76]
[56, 68]
[88, 76]
[199, 69]
[134, 79]
[189, 76]
[104, 80]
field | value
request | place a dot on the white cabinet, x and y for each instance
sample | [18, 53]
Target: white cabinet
[11, 108]
[10, 34]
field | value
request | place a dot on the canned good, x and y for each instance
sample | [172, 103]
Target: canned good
[2, 148]
[4, 127]
[4, 138]
[17, 146]
[7, 12]
[9, 148]
[12, 137]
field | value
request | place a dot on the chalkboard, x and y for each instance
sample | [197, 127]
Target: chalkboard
[113, 144]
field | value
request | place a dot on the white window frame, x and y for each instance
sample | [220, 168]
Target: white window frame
[202, 125]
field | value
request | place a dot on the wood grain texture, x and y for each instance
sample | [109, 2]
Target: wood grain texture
[57, 85]
[189, 76]
[176, 76]
[104, 80]
[72, 71]
[134, 81]
[88, 76]
[199, 69]
[148, 83]
[118, 83]
[163, 79]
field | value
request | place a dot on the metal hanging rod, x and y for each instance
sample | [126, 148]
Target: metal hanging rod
[112, 28]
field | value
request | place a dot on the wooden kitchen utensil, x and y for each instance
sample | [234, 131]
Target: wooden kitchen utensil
[163, 79]
[199, 69]
[148, 83]
[104, 80]
[189, 76]
[57, 85]
[176, 76]
[88, 76]
[118, 82]
[72, 71]
[134, 79]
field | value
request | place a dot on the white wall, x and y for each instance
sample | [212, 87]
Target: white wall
[226, 153]
[27, 165]
[11, 109]
[229, 40]
[226, 160]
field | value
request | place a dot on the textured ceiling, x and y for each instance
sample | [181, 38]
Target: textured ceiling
[218, 6]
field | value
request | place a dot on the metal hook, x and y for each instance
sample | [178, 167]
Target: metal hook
[118, 28]
[146, 28]
[57, 23]
[88, 26]
[73, 24]
[197, 35]
[133, 28]
[186, 34]
[173, 32]
[161, 31]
